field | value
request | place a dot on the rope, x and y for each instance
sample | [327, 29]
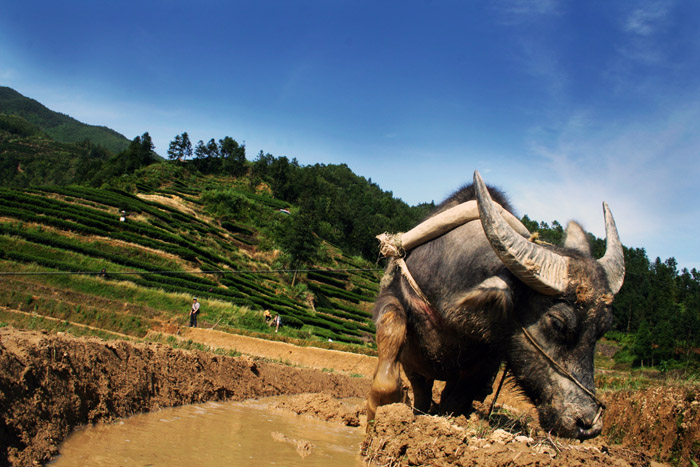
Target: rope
[409, 278]
[498, 391]
[566, 373]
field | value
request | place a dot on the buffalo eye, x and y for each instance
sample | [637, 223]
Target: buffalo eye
[558, 325]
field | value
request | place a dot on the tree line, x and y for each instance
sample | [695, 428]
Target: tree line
[657, 311]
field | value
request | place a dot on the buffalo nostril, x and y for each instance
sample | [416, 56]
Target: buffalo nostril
[588, 427]
[584, 424]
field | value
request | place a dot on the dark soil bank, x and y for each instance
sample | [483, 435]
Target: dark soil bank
[50, 384]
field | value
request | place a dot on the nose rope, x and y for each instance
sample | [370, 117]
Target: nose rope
[565, 372]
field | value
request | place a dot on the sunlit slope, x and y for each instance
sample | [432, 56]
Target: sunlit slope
[56, 241]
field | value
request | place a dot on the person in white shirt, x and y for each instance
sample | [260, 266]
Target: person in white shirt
[194, 311]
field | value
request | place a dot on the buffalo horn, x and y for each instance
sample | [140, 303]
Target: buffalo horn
[538, 267]
[613, 262]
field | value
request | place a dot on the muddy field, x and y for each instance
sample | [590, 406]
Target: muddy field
[50, 384]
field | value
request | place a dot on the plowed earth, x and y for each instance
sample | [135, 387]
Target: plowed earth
[50, 384]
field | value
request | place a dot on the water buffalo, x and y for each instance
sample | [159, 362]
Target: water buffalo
[481, 294]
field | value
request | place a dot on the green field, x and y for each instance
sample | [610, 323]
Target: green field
[55, 243]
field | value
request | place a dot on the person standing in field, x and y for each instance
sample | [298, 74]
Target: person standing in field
[194, 311]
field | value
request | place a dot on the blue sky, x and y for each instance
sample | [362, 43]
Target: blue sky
[563, 104]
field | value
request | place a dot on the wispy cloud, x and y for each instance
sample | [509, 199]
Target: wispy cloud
[644, 25]
[7, 74]
[528, 24]
[646, 170]
[648, 18]
[523, 11]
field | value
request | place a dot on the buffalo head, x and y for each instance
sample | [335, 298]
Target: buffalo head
[563, 297]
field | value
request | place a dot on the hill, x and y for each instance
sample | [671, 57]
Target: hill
[66, 254]
[30, 157]
[58, 126]
[323, 213]
[41, 147]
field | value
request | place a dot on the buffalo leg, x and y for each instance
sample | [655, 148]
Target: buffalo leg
[457, 397]
[386, 383]
[459, 393]
[422, 391]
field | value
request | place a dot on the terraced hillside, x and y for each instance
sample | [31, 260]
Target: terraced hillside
[67, 258]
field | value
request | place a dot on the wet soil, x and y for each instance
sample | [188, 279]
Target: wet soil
[50, 384]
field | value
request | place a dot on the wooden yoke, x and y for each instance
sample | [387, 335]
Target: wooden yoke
[396, 245]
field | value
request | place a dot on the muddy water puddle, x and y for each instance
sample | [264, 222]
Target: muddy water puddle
[214, 434]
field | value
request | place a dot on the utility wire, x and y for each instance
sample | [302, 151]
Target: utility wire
[244, 271]
[250, 271]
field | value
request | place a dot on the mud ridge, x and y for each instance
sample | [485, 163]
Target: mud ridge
[50, 384]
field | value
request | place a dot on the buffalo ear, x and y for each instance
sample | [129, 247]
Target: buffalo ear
[492, 294]
[577, 239]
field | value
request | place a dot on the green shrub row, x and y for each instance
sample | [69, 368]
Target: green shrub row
[291, 321]
[244, 283]
[91, 316]
[177, 284]
[27, 216]
[325, 333]
[69, 244]
[127, 201]
[97, 222]
[323, 321]
[356, 312]
[366, 289]
[240, 233]
[342, 314]
[181, 280]
[326, 278]
[236, 228]
[319, 288]
[40, 260]
[104, 197]
[250, 241]
[59, 209]
[181, 194]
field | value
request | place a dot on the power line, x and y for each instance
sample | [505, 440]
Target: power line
[244, 271]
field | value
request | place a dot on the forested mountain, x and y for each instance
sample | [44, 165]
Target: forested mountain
[41, 147]
[58, 126]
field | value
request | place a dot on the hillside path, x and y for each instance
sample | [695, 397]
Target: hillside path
[308, 357]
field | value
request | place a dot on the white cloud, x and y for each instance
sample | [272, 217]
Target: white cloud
[646, 171]
[644, 25]
[647, 18]
[523, 11]
[7, 74]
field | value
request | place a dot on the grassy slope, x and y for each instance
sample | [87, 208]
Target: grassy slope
[167, 251]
